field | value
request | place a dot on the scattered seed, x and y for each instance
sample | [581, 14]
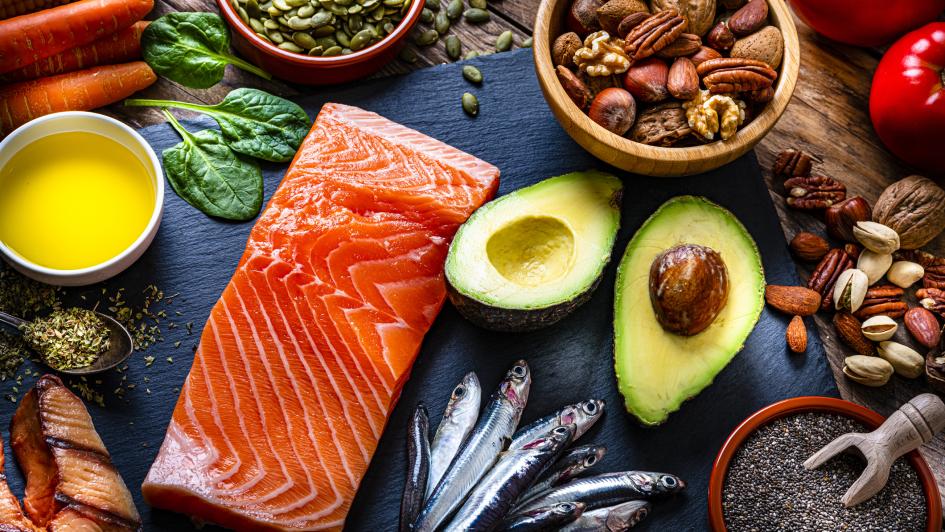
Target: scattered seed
[426, 37]
[454, 9]
[478, 4]
[472, 74]
[426, 16]
[527, 43]
[432, 5]
[454, 47]
[476, 16]
[470, 104]
[441, 23]
[408, 55]
[503, 42]
[471, 54]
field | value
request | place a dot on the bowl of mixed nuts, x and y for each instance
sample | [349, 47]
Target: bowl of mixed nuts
[318, 42]
[666, 87]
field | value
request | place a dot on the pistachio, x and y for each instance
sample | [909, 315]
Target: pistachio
[867, 370]
[876, 237]
[472, 74]
[850, 290]
[874, 265]
[408, 55]
[905, 360]
[879, 328]
[470, 104]
[904, 273]
[503, 42]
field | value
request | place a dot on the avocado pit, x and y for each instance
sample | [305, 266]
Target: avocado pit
[532, 251]
[688, 288]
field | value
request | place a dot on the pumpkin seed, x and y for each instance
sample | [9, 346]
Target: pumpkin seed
[324, 31]
[290, 46]
[296, 3]
[344, 3]
[304, 40]
[470, 104]
[252, 8]
[321, 18]
[243, 15]
[476, 16]
[392, 3]
[527, 43]
[298, 23]
[326, 42]
[426, 16]
[281, 5]
[317, 51]
[275, 36]
[355, 9]
[454, 47]
[346, 51]
[305, 11]
[433, 5]
[471, 54]
[454, 9]
[342, 39]
[503, 42]
[426, 38]
[370, 4]
[270, 24]
[405, 7]
[479, 4]
[334, 50]
[263, 37]
[257, 26]
[408, 55]
[361, 39]
[442, 23]
[273, 11]
[472, 74]
[378, 15]
[354, 24]
[388, 28]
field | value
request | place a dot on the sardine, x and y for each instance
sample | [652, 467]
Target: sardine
[458, 420]
[612, 519]
[480, 450]
[609, 489]
[583, 414]
[494, 495]
[575, 462]
[418, 467]
[543, 519]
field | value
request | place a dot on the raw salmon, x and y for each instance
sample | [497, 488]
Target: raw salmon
[303, 357]
[71, 483]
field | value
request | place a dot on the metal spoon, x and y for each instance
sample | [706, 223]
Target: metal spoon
[120, 345]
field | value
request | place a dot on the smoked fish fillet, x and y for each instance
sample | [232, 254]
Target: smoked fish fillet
[304, 355]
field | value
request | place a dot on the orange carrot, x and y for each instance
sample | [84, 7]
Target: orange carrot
[82, 90]
[118, 47]
[29, 38]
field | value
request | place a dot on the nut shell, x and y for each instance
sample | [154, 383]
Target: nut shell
[582, 17]
[699, 14]
[904, 273]
[613, 109]
[766, 45]
[879, 328]
[876, 237]
[688, 288]
[562, 51]
[612, 12]
[646, 80]
[904, 360]
[662, 125]
[867, 370]
[915, 208]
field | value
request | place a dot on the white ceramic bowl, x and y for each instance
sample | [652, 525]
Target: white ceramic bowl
[117, 131]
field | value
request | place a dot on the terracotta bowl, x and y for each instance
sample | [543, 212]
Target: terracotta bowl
[799, 405]
[308, 70]
[655, 160]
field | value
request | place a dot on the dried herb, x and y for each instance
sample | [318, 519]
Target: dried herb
[67, 339]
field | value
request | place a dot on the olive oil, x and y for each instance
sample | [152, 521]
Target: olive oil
[73, 200]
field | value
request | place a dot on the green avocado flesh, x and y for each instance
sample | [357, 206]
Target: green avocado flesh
[658, 370]
[529, 258]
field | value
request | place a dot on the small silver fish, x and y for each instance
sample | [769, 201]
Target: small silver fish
[544, 519]
[612, 519]
[609, 489]
[418, 467]
[573, 463]
[583, 414]
[480, 450]
[494, 495]
[458, 421]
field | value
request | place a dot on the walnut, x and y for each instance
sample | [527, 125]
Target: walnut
[709, 114]
[663, 125]
[915, 208]
[698, 13]
[602, 55]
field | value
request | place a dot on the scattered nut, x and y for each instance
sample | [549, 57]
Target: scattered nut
[874, 265]
[825, 275]
[683, 81]
[809, 247]
[646, 80]
[562, 51]
[814, 192]
[932, 299]
[766, 45]
[614, 110]
[791, 162]
[841, 217]
[796, 335]
[850, 332]
[709, 114]
[883, 300]
[796, 300]
[924, 326]
[850, 290]
[749, 18]
[904, 360]
[876, 237]
[602, 55]
[914, 207]
[879, 328]
[867, 370]
[904, 273]
[582, 17]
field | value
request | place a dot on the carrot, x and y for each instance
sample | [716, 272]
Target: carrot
[115, 48]
[82, 90]
[29, 38]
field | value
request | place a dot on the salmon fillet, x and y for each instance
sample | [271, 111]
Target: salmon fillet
[12, 518]
[304, 355]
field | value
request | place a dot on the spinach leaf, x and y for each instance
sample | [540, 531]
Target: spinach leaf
[253, 122]
[207, 174]
[192, 49]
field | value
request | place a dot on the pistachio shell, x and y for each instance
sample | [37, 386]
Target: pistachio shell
[850, 290]
[876, 237]
[905, 360]
[879, 328]
[868, 370]
[904, 273]
[874, 265]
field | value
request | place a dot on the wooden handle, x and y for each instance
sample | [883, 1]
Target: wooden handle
[914, 424]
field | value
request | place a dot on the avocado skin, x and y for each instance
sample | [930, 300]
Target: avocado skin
[516, 320]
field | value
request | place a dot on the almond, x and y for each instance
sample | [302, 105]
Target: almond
[849, 329]
[809, 247]
[796, 300]
[749, 18]
[924, 327]
[796, 335]
[684, 45]
[765, 45]
[683, 80]
[629, 22]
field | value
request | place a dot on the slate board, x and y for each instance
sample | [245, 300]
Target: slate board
[195, 256]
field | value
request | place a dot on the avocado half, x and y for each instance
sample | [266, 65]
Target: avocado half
[529, 258]
[658, 370]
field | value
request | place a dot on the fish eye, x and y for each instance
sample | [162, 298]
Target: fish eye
[566, 507]
[590, 407]
[518, 371]
[669, 481]
[590, 460]
[561, 431]
[459, 391]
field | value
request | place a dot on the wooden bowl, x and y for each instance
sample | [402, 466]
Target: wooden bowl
[798, 405]
[655, 160]
[308, 70]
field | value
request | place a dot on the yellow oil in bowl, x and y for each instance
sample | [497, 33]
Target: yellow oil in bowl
[73, 200]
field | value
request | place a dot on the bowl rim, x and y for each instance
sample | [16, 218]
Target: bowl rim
[337, 61]
[146, 233]
[797, 405]
[746, 137]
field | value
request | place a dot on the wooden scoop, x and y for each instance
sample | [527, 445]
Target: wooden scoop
[905, 430]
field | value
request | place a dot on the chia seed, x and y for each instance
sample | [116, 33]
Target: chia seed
[768, 489]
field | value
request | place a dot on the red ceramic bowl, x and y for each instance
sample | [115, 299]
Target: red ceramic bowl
[799, 405]
[308, 70]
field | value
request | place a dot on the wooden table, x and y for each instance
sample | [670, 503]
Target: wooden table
[827, 117]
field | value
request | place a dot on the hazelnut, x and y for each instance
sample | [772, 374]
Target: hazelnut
[613, 109]
[841, 217]
[582, 18]
[720, 37]
[704, 54]
[646, 80]
[562, 51]
[613, 12]
[688, 288]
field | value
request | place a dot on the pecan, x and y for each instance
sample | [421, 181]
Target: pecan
[791, 162]
[835, 262]
[663, 125]
[934, 266]
[932, 299]
[654, 34]
[574, 87]
[764, 95]
[734, 74]
[883, 299]
[814, 192]
[684, 45]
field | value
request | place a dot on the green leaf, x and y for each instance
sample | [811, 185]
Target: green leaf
[207, 174]
[192, 49]
[253, 122]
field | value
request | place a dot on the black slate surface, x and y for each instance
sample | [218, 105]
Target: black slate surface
[195, 256]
